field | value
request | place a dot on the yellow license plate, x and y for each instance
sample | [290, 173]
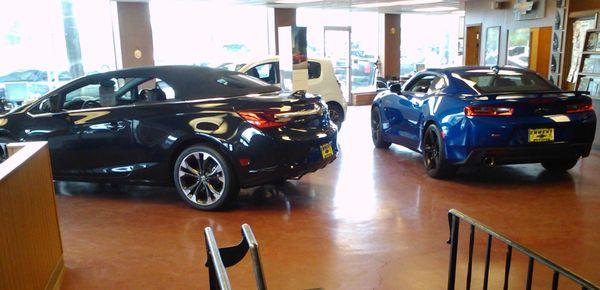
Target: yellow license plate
[541, 135]
[326, 150]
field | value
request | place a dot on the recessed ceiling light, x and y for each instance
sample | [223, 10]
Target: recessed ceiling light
[395, 3]
[436, 9]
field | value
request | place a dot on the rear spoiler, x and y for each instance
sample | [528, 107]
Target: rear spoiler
[493, 96]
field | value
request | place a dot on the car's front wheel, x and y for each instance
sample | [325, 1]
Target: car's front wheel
[204, 179]
[434, 156]
[560, 165]
[336, 114]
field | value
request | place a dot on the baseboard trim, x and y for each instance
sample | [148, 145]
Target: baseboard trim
[56, 276]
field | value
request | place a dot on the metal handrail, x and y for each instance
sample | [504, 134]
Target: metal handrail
[218, 259]
[214, 258]
[454, 217]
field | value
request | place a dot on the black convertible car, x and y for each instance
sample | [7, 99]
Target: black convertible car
[207, 131]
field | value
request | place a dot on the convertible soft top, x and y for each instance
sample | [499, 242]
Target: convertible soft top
[188, 82]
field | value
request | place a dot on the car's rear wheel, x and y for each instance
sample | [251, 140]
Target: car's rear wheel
[434, 157]
[376, 133]
[560, 165]
[204, 179]
[336, 114]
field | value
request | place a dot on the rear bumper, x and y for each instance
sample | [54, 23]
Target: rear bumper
[527, 154]
[275, 157]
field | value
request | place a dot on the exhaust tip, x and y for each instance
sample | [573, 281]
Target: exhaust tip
[489, 161]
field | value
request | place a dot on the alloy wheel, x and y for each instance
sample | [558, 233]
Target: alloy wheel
[201, 178]
[431, 150]
[375, 126]
[335, 117]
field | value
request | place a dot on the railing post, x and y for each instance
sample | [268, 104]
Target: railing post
[454, 223]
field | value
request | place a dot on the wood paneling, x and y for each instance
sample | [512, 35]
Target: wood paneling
[283, 17]
[582, 5]
[135, 33]
[540, 48]
[391, 62]
[30, 243]
[473, 45]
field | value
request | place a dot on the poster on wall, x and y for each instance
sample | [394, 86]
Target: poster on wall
[492, 45]
[530, 9]
[518, 47]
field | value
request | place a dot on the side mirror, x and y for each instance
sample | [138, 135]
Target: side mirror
[381, 85]
[396, 88]
[54, 101]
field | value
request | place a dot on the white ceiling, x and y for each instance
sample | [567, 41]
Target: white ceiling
[459, 4]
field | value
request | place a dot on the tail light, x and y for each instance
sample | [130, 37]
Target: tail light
[580, 107]
[488, 111]
[263, 119]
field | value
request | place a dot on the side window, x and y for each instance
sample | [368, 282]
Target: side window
[42, 107]
[154, 90]
[437, 85]
[265, 72]
[314, 70]
[99, 93]
[421, 84]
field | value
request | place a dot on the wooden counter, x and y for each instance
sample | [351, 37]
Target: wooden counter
[30, 244]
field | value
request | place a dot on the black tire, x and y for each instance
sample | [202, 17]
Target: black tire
[199, 182]
[336, 114]
[376, 134]
[560, 165]
[3, 150]
[434, 155]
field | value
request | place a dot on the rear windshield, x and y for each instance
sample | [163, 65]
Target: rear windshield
[486, 81]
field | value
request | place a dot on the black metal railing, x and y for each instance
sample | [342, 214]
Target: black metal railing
[454, 217]
[218, 259]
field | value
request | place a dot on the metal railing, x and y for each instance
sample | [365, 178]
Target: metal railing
[218, 259]
[454, 217]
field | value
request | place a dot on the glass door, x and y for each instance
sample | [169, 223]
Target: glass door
[337, 49]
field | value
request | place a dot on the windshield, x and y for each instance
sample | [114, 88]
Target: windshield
[487, 81]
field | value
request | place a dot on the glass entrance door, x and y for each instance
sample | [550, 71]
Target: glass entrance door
[337, 49]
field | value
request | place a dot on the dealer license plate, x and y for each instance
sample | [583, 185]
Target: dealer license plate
[541, 135]
[326, 150]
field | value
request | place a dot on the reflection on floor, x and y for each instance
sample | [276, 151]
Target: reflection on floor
[371, 220]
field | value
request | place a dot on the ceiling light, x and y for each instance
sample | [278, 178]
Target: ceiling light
[395, 3]
[295, 1]
[435, 9]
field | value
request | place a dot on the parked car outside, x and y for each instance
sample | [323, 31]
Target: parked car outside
[207, 131]
[480, 115]
[321, 81]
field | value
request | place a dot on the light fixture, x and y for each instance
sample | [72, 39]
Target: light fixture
[435, 9]
[295, 1]
[395, 3]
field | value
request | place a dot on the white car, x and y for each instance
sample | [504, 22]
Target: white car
[321, 81]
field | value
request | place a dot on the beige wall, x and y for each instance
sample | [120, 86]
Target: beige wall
[480, 12]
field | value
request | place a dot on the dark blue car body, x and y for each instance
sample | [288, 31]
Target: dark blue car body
[406, 113]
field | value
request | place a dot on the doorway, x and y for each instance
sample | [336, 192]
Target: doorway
[473, 44]
[337, 49]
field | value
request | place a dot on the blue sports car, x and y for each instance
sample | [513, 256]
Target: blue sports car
[482, 115]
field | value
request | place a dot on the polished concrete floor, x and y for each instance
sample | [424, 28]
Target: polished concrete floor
[371, 220]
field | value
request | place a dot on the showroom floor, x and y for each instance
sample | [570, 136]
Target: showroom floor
[370, 220]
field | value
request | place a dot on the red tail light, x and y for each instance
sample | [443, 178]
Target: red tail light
[580, 107]
[262, 119]
[488, 111]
